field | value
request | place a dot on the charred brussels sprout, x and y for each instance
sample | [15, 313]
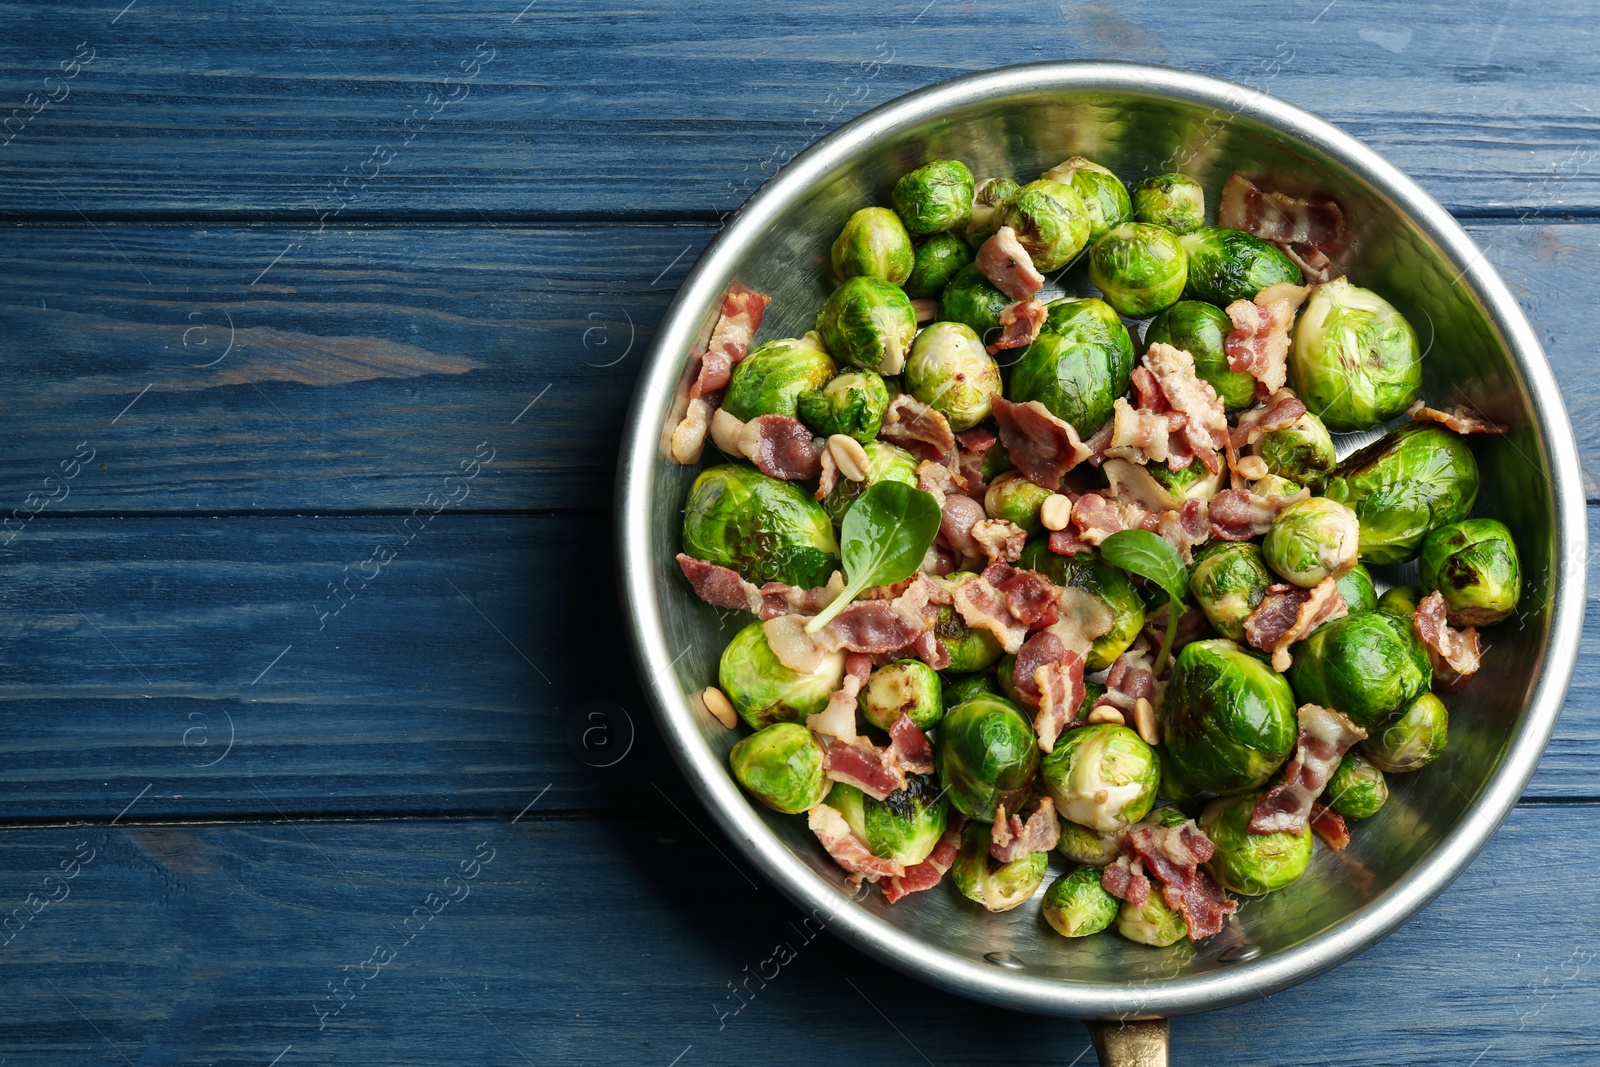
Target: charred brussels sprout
[1357, 590]
[1082, 845]
[1302, 452]
[1200, 329]
[868, 322]
[961, 689]
[1228, 265]
[770, 379]
[781, 766]
[1153, 923]
[938, 259]
[767, 530]
[1101, 776]
[1411, 739]
[1312, 540]
[1051, 223]
[1075, 905]
[852, 403]
[1365, 665]
[951, 373]
[971, 300]
[1252, 864]
[764, 691]
[885, 463]
[1139, 267]
[1354, 358]
[1229, 580]
[1015, 499]
[905, 687]
[1419, 477]
[989, 203]
[873, 242]
[1401, 601]
[997, 886]
[1473, 565]
[1175, 201]
[1087, 571]
[1080, 364]
[1228, 719]
[935, 197]
[904, 827]
[987, 755]
[1102, 193]
[1357, 788]
[970, 649]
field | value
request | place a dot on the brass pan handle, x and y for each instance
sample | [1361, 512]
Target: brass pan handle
[1142, 1043]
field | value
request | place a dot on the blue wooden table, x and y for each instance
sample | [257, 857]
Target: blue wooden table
[293, 761]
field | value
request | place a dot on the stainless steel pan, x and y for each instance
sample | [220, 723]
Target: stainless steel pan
[1138, 120]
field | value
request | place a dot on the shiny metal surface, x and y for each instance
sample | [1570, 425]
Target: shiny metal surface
[1139, 120]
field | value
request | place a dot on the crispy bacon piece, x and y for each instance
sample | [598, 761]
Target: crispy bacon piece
[1325, 736]
[1457, 417]
[1240, 515]
[723, 587]
[1124, 879]
[1330, 826]
[1205, 426]
[846, 849]
[983, 607]
[862, 766]
[926, 875]
[1137, 434]
[1040, 649]
[914, 425]
[1455, 653]
[1288, 614]
[871, 627]
[959, 518]
[1096, 516]
[971, 448]
[1128, 680]
[1041, 446]
[1020, 324]
[1172, 855]
[1259, 342]
[1307, 230]
[1061, 690]
[1081, 618]
[927, 647]
[1006, 264]
[838, 719]
[784, 448]
[999, 540]
[738, 320]
[855, 760]
[1279, 412]
[910, 747]
[1030, 597]
[1013, 839]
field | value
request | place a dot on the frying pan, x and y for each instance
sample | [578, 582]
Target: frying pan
[1137, 120]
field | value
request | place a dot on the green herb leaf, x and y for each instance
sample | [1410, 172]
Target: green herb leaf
[1143, 553]
[883, 539]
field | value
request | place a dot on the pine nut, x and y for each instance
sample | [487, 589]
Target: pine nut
[1106, 713]
[1056, 511]
[1144, 720]
[849, 457]
[720, 707]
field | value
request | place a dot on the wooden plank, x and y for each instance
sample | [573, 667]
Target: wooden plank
[616, 941]
[561, 110]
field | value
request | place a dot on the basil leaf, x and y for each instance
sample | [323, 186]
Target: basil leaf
[1143, 553]
[884, 537]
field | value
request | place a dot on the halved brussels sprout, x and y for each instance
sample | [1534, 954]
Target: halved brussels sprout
[1075, 905]
[873, 242]
[1228, 719]
[1411, 739]
[1228, 265]
[1200, 329]
[1152, 923]
[1417, 478]
[1252, 864]
[885, 463]
[1302, 452]
[905, 687]
[1357, 788]
[781, 766]
[970, 299]
[1354, 359]
[1311, 540]
[935, 197]
[852, 403]
[1139, 267]
[1193, 482]
[970, 649]
[1401, 601]
[1051, 221]
[1087, 571]
[1102, 193]
[989, 203]
[1080, 363]
[938, 259]
[905, 827]
[1473, 565]
[764, 691]
[770, 379]
[1102, 776]
[1175, 201]
[1015, 499]
[868, 322]
[767, 530]
[1357, 589]
[1228, 581]
[960, 689]
[1365, 665]
[1082, 845]
[987, 755]
[951, 373]
[997, 886]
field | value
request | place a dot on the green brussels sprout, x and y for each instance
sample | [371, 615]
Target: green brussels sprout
[1076, 905]
[1051, 221]
[1080, 364]
[1401, 601]
[1417, 478]
[1175, 201]
[1200, 329]
[960, 689]
[987, 755]
[781, 766]
[970, 649]
[1103, 776]
[935, 197]
[1102, 193]
[1311, 540]
[970, 299]
[767, 530]
[852, 403]
[1411, 739]
[868, 322]
[1173, 788]
[885, 463]
[1087, 571]
[1193, 482]
[905, 687]
[1015, 499]
[770, 379]
[1168, 815]
[1140, 268]
[1228, 581]
[1357, 589]
[1365, 666]
[1153, 923]
[903, 827]
[989, 203]
[997, 886]
[1228, 719]
[1252, 864]
[1473, 565]
[1228, 265]
[1082, 845]
[873, 242]
[938, 259]
[1354, 358]
[764, 691]
[951, 373]
[1302, 452]
[1357, 788]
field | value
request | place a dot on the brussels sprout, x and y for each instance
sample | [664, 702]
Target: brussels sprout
[1419, 477]
[1252, 864]
[769, 379]
[1357, 590]
[1173, 788]
[1102, 193]
[885, 463]
[996, 461]
[1357, 788]
[997, 886]
[1229, 265]
[1354, 358]
[1082, 845]
[1200, 329]
[1311, 540]
[1015, 499]
[987, 755]
[852, 403]
[767, 530]
[989, 203]
[1051, 221]
[1075, 905]
[1364, 665]
[764, 691]
[1193, 482]
[1139, 267]
[905, 687]
[1087, 571]
[1228, 719]
[965, 687]
[868, 322]
[1167, 815]
[951, 373]
[781, 766]
[1302, 451]
[970, 299]
[1473, 564]
[1080, 363]
[1152, 923]
[935, 197]
[1102, 776]
[970, 649]
[1410, 739]
[938, 259]
[1228, 581]
[1401, 601]
[904, 827]
[1175, 201]
[873, 242]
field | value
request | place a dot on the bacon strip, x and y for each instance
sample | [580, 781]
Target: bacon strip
[1288, 614]
[723, 587]
[1330, 826]
[1124, 879]
[1006, 264]
[1306, 229]
[1240, 515]
[1455, 653]
[983, 607]
[926, 875]
[846, 849]
[1020, 324]
[1096, 516]
[972, 446]
[909, 747]
[1325, 736]
[1259, 342]
[1280, 411]
[1458, 418]
[1013, 839]
[1172, 855]
[1041, 446]
[1128, 680]
[1061, 690]
[1205, 424]
[999, 540]
[738, 320]
[914, 425]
